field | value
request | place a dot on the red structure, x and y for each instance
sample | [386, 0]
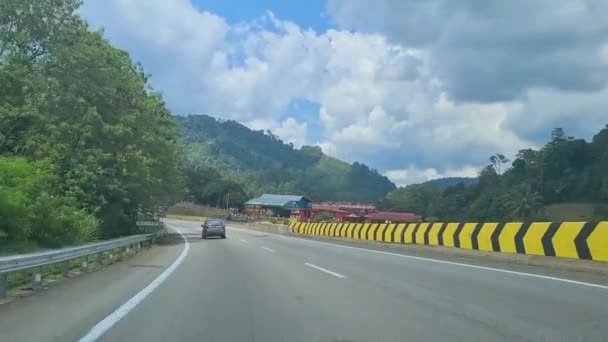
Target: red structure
[383, 216]
[347, 212]
[303, 215]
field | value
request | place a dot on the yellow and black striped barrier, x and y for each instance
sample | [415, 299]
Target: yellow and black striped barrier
[577, 240]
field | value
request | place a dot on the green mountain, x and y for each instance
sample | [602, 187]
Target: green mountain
[446, 182]
[263, 163]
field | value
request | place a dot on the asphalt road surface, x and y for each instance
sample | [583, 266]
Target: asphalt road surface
[261, 287]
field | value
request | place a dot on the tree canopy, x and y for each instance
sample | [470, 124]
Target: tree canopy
[565, 170]
[206, 186]
[71, 101]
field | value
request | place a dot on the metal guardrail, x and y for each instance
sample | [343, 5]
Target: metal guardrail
[21, 262]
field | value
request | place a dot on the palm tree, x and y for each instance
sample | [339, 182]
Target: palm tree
[524, 203]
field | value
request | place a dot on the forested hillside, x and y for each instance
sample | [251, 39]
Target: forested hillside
[567, 175]
[443, 183]
[263, 163]
[85, 147]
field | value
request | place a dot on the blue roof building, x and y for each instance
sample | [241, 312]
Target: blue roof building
[276, 205]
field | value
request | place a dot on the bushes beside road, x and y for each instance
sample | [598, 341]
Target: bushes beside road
[30, 210]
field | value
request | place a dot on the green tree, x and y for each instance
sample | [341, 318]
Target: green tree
[487, 206]
[523, 203]
[70, 99]
[449, 206]
[564, 162]
[30, 210]
[488, 178]
[206, 186]
[604, 189]
[417, 198]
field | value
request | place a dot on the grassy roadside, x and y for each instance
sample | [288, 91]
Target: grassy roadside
[190, 209]
[20, 282]
[186, 217]
[22, 247]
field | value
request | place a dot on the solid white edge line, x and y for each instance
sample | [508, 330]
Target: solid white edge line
[335, 274]
[102, 327]
[500, 270]
[267, 249]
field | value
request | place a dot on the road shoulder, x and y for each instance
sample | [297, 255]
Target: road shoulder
[66, 311]
[579, 270]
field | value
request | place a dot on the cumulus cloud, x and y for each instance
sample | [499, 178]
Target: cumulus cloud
[416, 89]
[413, 175]
[378, 130]
[494, 50]
[293, 132]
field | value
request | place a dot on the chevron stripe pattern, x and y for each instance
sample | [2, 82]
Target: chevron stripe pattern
[576, 240]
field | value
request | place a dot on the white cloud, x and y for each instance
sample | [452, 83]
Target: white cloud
[577, 112]
[382, 98]
[328, 148]
[175, 42]
[378, 129]
[293, 132]
[493, 50]
[413, 175]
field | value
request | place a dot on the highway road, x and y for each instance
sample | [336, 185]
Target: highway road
[255, 286]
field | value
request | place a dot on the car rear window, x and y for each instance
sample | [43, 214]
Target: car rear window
[215, 222]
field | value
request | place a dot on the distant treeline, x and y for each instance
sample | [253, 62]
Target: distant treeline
[565, 170]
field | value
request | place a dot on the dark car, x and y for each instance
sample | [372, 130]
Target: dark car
[214, 227]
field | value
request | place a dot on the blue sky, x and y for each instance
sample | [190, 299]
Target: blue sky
[415, 89]
[312, 15]
[306, 14]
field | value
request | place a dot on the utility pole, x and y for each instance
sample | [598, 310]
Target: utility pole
[227, 201]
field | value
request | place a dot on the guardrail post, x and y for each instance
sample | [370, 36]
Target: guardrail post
[37, 279]
[66, 269]
[84, 265]
[3, 285]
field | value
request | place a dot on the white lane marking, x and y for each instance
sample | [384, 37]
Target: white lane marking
[335, 274]
[243, 240]
[268, 249]
[102, 327]
[500, 270]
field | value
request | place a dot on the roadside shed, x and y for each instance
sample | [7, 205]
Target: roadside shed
[272, 205]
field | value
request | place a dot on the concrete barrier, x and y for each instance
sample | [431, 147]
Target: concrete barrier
[576, 240]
